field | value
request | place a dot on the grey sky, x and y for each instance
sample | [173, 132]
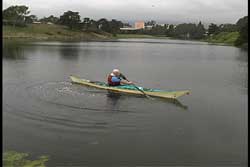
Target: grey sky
[163, 11]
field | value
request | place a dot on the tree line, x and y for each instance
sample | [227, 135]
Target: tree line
[195, 31]
[19, 16]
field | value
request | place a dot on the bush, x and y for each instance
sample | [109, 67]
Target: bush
[14, 159]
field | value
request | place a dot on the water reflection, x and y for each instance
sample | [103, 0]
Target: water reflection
[242, 76]
[112, 100]
[242, 56]
[12, 50]
[175, 102]
[70, 53]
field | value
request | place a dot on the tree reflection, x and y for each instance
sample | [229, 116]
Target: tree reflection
[70, 52]
[12, 50]
[242, 75]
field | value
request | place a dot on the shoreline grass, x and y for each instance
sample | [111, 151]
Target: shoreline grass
[51, 32]
[226, 38]
[44, 32]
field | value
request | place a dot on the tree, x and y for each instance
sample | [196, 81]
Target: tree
[30, 19]
[150, 23]
[170, 30]
[228, 27]
[51, 19]
[157, 30]
[70, 19]
[243, 38]
[213, 29]
[185, 30]
[86, 23]
[115, 26]
[15, 15]
[103, 24]
[200, 31]
[242, 22]
[93, 25]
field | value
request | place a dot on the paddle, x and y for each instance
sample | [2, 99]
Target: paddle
[136, 87]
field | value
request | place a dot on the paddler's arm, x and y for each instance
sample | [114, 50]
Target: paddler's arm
[123, 76]
[124, 80]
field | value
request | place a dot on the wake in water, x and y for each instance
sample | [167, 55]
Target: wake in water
[62, 106]
[75, 96]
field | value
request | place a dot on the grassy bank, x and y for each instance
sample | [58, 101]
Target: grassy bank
[58, 32]
[224, 38]
[51, 32]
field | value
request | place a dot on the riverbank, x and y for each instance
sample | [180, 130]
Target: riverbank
[226, 38]
[223, 38]
[53, 32]
[50, 32]
[58, 32]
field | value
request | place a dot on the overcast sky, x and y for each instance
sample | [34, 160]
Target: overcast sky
[163, 11]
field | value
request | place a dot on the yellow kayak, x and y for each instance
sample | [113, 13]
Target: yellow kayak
[130, 89]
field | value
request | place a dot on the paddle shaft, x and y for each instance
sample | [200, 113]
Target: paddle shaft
[135, 86]
[140, 90]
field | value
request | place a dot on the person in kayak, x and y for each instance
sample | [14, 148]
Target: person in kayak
[116, 78]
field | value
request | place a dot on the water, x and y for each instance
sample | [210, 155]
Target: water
[45, 114]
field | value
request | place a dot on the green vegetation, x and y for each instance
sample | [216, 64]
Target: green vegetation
[232, 34]
[70, 19]
[243, 29]
[51, 32]
[223, 37]
[15, 159]
[16, 15]
[51, 19]
[189, 31]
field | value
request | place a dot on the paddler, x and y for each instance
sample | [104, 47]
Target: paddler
[116, 78]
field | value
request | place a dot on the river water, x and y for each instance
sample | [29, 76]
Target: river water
[45, 114]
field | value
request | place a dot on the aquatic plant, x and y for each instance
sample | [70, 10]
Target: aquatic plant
[16, 159]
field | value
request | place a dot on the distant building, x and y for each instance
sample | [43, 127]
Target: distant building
[36, 22]
[128, 28]
[50, 23]
[149, 27]
[140, 25]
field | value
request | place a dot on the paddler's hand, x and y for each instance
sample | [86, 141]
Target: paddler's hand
[130, 83]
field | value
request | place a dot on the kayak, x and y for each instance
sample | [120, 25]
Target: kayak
[130, 89]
